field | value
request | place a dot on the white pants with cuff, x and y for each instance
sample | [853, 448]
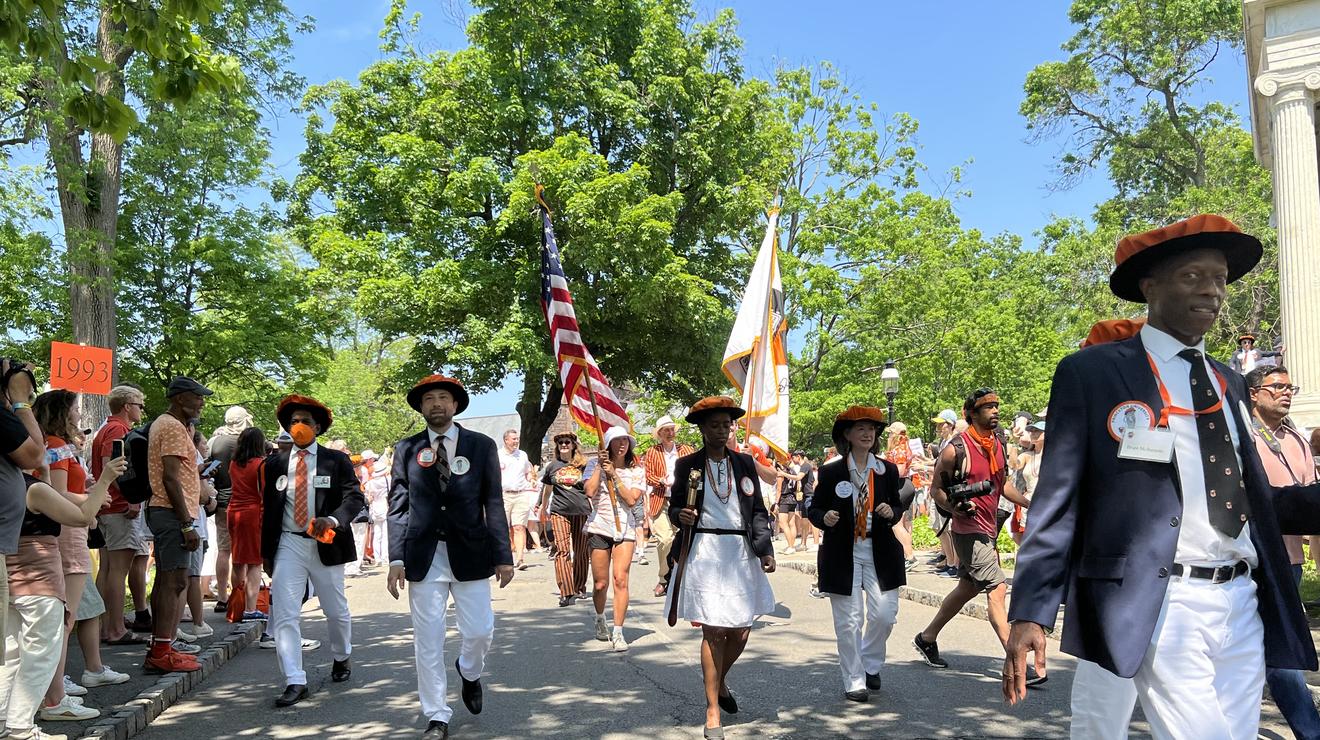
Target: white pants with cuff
[296, 563]
[1101, 703]
[380, 543]
[1204, 673]
[360, 542]
[862, 651]
[427, 600]
[34, 627]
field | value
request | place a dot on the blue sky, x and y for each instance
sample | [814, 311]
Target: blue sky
[957, 66]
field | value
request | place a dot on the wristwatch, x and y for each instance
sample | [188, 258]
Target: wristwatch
[17, 406]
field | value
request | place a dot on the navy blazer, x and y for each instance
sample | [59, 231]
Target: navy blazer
[1103, 531]
[834, 560]
[756, 520]
[468, 515]
[342, 500]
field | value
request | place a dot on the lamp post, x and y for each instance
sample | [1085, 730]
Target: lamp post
[889, 381]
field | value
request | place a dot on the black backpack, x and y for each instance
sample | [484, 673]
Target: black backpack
[135, 484]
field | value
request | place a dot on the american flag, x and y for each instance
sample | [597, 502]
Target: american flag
[578, 371]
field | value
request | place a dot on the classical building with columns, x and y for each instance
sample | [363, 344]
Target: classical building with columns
[1283, 62]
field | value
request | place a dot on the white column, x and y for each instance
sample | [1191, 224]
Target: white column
[1297, 210]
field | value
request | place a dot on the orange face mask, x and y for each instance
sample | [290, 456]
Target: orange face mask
[303, 434]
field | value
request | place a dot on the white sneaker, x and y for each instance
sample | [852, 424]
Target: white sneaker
[184, 635]
[617, 642]
[73, 689]
[310, 644]
[67, 711]
[203, 630]
[790, 550]
[179, 646]
[107, 677]
[602, 629]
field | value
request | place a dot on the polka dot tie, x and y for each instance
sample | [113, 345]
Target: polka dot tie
[1225, 491]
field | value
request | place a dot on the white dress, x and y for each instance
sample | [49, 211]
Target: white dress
[723, 584]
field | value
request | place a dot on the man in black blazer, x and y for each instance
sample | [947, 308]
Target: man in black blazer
[448, 535]
[860, 564]
[310, 497]
[1153, 514]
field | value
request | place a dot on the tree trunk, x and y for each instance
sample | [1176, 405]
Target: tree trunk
[537, 411]
[89, 206]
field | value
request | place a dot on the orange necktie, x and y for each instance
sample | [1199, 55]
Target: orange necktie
[300, 491]
[864, 513]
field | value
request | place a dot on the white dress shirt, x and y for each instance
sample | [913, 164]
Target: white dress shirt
[450, 438]
[861, 482]
[1199, 543]
[291, 490]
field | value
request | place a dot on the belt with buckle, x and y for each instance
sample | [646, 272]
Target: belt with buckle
[1221, 574]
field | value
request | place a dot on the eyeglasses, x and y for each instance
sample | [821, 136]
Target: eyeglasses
[135, 403]
[1279, 389]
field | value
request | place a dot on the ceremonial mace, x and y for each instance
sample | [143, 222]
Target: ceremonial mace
[675, 583]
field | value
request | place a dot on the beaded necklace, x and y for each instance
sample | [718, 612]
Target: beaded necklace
[718, 481]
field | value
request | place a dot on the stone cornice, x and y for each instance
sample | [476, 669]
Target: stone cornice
[1269, 84]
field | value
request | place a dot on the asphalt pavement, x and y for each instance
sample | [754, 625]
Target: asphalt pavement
[548, 677]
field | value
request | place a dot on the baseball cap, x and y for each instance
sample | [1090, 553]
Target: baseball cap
[945, 417]
[184, 384]
[1038, 426]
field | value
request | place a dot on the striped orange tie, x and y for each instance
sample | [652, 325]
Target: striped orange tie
[300, 491]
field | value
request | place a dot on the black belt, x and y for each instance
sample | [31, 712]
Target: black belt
[704, 530]
[1222, 574]
[300, 534]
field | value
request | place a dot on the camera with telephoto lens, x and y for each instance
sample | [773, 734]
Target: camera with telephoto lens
[961, 494]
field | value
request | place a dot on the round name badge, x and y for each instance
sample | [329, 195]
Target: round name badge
[1129, 415]
[747, 486]
[460, 465]
[426, 458]
[281, 482]
[844, 489]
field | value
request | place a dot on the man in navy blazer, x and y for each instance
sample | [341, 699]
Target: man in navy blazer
[310, 497]
[448, 535]
[1153, 517]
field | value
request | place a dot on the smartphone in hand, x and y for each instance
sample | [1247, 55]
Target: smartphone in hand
[116, 449]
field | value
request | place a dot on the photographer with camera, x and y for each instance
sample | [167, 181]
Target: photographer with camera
[970, 477]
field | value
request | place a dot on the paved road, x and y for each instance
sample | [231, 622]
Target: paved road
[548, 677]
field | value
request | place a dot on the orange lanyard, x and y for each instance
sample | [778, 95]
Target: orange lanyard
[1169, 408]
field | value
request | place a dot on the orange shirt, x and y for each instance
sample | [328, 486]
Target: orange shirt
[170, 437]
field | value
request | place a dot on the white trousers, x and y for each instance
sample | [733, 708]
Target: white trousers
[862, 651]
[296, 563]
[34, 628]
[360, 542]
[380, 543]
[1101, 703]
[1204, 673]
[476, 628]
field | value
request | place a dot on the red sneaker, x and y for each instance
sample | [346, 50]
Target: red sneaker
[170, 662]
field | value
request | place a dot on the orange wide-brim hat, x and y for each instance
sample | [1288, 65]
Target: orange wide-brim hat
[706, 406]
[1112, 330]
[319, 411]
[853, 414]
[1138, 253]
[432, 382]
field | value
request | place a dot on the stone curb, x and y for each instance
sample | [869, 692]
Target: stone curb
[974, 609]
[130, 718]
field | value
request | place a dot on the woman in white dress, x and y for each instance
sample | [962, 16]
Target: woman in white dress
[612, 526]
[719, 581]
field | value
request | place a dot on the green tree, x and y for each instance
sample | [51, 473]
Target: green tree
[417, 201]
[1128, 100]
[70, 64]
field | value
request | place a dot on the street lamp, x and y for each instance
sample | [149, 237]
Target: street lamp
[889, 381]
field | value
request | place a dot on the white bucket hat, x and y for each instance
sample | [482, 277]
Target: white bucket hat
[614, 433]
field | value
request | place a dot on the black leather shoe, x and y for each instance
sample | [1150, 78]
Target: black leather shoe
[728, 703]
[340, 671]
[293, 693]
[471, 692]
[436, 730]
[860, 695]
[873, 681]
